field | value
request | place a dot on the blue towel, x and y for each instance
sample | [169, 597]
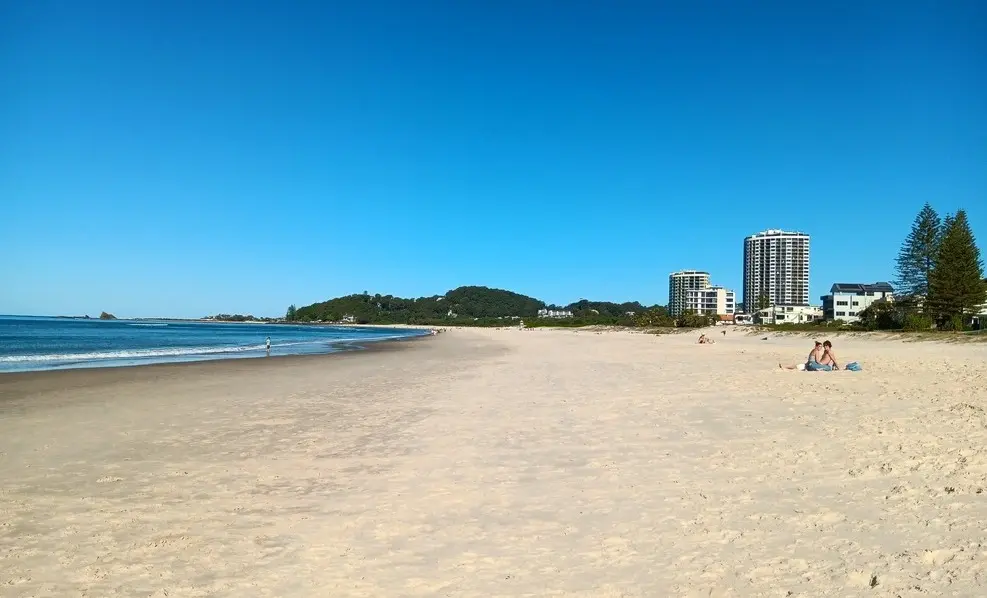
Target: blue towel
[853, 366]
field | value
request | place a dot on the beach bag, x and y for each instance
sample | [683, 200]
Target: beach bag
[853, 366]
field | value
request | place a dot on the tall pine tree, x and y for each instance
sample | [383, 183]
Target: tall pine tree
[918, 254]
[956, 283]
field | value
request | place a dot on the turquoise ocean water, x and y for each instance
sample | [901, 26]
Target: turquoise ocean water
[37, 343]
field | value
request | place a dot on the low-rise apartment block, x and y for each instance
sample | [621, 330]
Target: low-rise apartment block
[790, 314]
[847, 300]
[711, 301]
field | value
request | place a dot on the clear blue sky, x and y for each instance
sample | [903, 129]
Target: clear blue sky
[182, 158]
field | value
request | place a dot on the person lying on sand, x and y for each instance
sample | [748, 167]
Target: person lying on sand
[812, 362]
[705, 340]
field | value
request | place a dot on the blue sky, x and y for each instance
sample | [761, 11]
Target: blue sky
[183, 158]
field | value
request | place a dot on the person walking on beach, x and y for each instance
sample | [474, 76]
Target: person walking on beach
[268, 343]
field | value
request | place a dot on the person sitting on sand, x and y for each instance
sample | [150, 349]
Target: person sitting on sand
[828, 357]
[812, 362]
[705, 340]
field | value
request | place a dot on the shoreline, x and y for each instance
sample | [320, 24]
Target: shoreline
[15, 386]
[116, 358]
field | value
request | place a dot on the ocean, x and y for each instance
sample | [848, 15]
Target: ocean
[39, 343]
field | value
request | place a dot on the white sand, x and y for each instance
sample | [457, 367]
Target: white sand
[504, 463]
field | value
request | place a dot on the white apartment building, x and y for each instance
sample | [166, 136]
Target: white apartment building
[790, 314]
[712, 300]
[679, 283]
[776, 265]
[847, 300]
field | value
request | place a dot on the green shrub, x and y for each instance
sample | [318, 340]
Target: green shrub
[917, 322]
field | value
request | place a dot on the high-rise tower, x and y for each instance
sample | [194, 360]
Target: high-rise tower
[776, 266]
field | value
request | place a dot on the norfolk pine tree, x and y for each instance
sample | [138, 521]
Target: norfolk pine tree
[956, 283]
[918, 255]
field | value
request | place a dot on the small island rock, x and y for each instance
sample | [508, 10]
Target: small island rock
[106, 316]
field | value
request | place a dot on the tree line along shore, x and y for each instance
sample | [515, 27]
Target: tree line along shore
[484, 306]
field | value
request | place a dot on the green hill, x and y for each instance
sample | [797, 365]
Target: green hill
[464, 302]
[482, 302]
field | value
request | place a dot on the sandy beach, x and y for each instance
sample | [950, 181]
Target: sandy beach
[504, 463]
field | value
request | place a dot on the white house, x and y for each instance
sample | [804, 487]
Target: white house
[980, 320]
[743, 319]
[554, 313]
[790, 314]
[847, 300]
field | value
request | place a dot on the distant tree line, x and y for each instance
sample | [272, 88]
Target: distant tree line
[483, 306]
[238, 318]
[659, 317]
[940, 278]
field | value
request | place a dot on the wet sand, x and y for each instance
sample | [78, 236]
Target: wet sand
[503, 463]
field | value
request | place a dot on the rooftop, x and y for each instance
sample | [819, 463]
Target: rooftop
[852, 287]
[777, 232]
[689, 273]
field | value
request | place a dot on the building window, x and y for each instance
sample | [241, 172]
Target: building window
[840, 313]
[852, 313]
[841, 302]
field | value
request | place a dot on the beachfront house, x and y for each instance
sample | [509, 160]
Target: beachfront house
[554, 313]
[790, 314]
[742, 319]
[847, 300]
[980, 319]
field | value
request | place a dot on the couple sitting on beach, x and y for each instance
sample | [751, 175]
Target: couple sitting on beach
[821, 359]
